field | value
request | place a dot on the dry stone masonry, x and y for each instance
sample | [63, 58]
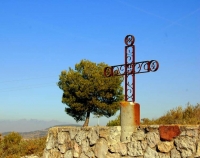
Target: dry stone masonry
[152, 141]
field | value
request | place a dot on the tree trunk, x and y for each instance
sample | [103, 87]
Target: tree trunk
[87, 119]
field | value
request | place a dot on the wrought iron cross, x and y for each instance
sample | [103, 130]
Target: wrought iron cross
[130, 68]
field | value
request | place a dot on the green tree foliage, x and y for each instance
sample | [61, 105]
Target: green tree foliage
[86, 90]
[189, 115]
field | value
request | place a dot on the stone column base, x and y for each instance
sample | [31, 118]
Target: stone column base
[130, 119]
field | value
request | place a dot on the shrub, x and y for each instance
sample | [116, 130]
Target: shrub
[115, 122]
[1, 146]
[13, 146]
[189, 115]
[33, 146]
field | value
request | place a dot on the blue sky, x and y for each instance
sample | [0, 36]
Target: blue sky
[39, 39]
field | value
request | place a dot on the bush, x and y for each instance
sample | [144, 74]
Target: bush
[115, 122]
[13, 146]
[1, 147]
[33, 146]
[189, 115]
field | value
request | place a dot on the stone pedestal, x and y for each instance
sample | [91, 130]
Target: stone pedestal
[130, 119]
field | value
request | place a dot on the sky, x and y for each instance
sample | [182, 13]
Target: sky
[39, 39]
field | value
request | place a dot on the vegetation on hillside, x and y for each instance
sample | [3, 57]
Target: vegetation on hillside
[86, 90]
[1, 150]
[14, 146]
[189, 115]
[115, 122]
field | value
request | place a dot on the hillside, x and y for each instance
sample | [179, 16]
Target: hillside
[27, 125]
[37, 133]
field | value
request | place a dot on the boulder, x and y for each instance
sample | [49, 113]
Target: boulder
[169, 132]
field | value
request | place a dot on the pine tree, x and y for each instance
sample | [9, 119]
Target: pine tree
[86, 90]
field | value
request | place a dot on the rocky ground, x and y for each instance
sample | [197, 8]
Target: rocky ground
[31, 156]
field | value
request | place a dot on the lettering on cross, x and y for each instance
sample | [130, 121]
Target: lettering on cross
[130, 68]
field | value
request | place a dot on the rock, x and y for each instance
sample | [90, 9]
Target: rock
[51, 142]
[104, 133]
[69, 145]
[163, 155]
[165, 146]
[62, 148]
[192, 133]
[192, 127]
[123, 149]
[169, 132]
[30, 156]
[105, 142]
[64, 142]
[73, 132]
[199, 133]
[61, 138]
[152, 139]
[77, 150]
[198, 150]
[175, 154]
[68, 154]
[83, 155]
[54, 153]
[76, 154]
[139, 135]
[186, 146]
[101, 148]
[115, 133]
[134, 148]
[143, 145]
[80, 136]
[45, 154]
[152, 128]
[93, 136]
[115, 155]
[90, 154]
[85, 145]
[118, 148]
[150, 153]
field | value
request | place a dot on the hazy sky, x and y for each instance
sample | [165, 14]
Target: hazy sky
[39, 39]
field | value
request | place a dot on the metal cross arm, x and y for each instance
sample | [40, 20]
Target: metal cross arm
[130, 68]
[139, 67]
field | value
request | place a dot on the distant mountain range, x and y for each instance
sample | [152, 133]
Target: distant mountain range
[24, 125]
[37, 133]
[31, 135]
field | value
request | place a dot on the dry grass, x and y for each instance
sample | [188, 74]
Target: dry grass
[14, 146]
[190, 115]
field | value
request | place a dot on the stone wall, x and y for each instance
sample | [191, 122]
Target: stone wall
[104, 142]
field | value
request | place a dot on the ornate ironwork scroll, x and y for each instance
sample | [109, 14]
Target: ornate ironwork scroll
[130, 68]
